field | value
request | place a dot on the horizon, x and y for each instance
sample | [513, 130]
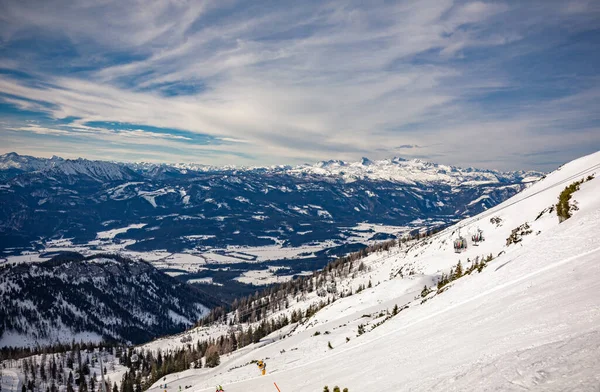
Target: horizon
[279, 165]
[502, 85]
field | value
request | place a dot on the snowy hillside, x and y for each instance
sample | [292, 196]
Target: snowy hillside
[76, 369]
[523, 312]
[91, 300]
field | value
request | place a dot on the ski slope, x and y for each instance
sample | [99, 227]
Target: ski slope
[529, 321]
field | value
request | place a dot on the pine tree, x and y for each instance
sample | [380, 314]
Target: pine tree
[83, 387]
[212, 356]
[395, 310]
[459, 270]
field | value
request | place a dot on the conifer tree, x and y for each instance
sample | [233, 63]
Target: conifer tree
[212, 357]
[459, 270]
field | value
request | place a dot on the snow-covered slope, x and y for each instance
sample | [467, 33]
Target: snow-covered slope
[530, 320]
[24, 163]
[96, 170]
[94, 299]
[12, 164]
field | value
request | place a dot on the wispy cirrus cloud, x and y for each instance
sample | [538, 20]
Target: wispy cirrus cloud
[464, 82]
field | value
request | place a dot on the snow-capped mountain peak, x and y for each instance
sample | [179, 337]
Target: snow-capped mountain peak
[412, 172]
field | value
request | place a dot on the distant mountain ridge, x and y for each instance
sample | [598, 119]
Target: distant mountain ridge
[218, 214]
[395, 169]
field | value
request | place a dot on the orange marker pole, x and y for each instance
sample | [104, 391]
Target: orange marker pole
[277, 387]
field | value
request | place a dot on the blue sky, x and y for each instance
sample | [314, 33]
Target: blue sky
[502, 84]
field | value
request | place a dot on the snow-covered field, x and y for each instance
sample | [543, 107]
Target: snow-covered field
[110, 234]
[194, 261]
[529, 321]
[208, 280]
[266, 277]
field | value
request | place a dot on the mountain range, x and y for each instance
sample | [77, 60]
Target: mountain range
[303, 215]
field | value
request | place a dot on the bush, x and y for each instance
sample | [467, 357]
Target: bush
[361, 329]
[563, 207]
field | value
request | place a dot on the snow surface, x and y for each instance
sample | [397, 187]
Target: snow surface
[409, 172]
[266, 277]
[13, 375]
[110, 234]
[10, 382]
[59, 332]
[529, 321]
[208, 280]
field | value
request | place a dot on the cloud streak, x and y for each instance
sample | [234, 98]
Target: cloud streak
[270, 83]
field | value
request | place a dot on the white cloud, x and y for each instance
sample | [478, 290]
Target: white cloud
[300, 82]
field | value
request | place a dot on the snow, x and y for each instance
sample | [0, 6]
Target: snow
[150, 196]
[529, 321]
[26, 258]
[110, 234]
[59, 333]
[410, 172]
[263, 277]
[117, 193]
[480, 198]
[10, 381]
[13, 377]
[208, 280]
[177, 318]
[199, 236]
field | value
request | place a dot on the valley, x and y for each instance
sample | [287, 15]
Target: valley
[232, 225]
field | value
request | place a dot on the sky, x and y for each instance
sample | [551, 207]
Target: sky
[493, 84]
